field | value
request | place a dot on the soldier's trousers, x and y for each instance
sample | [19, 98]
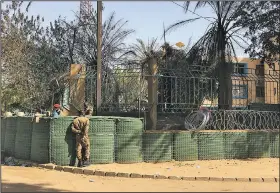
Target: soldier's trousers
[82, 145]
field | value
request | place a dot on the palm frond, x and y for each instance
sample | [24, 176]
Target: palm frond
[180, 24]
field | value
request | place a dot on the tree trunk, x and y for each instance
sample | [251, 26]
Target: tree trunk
[152, 94]
[224, 71]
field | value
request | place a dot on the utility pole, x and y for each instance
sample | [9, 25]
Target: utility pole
[99, 55]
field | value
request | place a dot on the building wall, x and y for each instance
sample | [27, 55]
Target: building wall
[250, 80]
[272, 85]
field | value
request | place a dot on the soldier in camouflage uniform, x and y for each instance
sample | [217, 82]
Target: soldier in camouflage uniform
[80, 127]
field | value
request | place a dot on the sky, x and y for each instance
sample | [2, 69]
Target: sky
[145, 17]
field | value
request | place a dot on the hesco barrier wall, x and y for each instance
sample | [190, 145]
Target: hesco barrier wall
[62, 142]
[122, 140]
[10, 135]
[157, 146]
[211, 146]
[185, 146]
[23, 137]
[40, 141]
[102, 137]
[235, 145]
[3, 131]
[128, 144]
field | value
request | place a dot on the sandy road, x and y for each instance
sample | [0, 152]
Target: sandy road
[249, 168]
[22, 179]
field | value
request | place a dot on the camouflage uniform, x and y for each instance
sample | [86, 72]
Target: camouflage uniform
[80, 126]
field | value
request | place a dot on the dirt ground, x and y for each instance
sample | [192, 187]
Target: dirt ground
[24, 179]
[267, 167]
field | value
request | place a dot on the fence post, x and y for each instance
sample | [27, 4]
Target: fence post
[99, 58]
[152, 93]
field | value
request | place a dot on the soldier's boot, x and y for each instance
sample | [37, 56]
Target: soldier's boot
[86, 163]
[80, 163]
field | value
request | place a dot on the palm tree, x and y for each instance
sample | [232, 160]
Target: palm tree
[78, 43]
[147, 58]
[144, 53]
[216, 45]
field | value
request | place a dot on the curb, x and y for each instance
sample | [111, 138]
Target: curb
[85, 171]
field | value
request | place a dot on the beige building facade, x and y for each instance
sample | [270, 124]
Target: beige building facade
[252, 82]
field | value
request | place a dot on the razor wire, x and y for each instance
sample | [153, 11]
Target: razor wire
[197, 120]
[233, 120]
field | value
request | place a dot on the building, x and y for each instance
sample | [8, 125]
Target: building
[252, 82]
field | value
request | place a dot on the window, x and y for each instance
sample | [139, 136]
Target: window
[274, 91]
[241, 68]
[259, 91]
[240, 91]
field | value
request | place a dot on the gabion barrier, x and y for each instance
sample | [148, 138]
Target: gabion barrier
[157, 146]
[102, 148]
[185, 146]
[102, 133]
[53, 142]
[3, 131]
[23, 137]
[40, 141]
[235, 145]
[211, 146]
[128, 143]
[10, 136]
[274, 144]
[258, 144]
[62, 141]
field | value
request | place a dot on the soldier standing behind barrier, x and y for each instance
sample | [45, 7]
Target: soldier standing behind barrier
[80, 127]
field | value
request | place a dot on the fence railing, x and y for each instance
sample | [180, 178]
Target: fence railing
[125, 93]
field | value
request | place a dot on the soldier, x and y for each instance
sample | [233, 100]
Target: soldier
[80, 127]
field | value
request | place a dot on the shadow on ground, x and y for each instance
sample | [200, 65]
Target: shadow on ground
[22, 187]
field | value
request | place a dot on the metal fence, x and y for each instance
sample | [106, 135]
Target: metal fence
[183, 88]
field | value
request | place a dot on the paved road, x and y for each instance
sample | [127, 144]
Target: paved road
[22, 179]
